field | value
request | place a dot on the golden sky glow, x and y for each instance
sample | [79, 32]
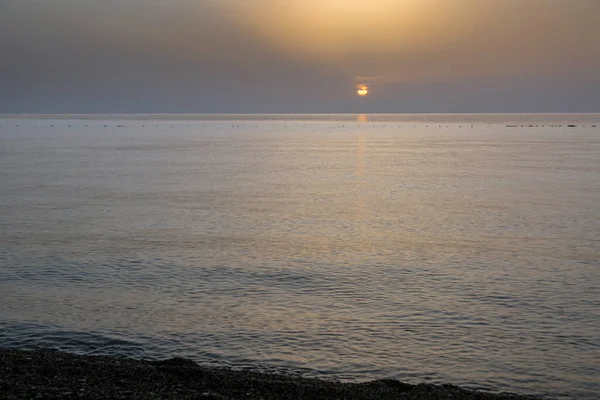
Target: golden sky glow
[335, 29]
[411, 41]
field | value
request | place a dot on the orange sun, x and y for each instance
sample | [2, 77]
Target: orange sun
[362, 91]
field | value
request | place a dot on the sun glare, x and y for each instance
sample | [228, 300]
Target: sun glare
[326, 30]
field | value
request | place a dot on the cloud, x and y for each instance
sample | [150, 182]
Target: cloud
[376, 80]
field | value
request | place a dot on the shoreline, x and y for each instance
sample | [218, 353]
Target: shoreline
[55, 374]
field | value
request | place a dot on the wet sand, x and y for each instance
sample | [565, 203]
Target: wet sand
[50, 374]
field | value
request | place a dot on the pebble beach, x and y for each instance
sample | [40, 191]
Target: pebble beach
[51, 374]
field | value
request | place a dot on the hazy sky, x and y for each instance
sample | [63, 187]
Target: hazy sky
[130, 56]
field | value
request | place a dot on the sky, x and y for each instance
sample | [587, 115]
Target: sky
[299, 56]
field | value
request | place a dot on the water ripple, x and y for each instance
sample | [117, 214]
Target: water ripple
[371, 251]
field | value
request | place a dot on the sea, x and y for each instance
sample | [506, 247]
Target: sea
[428, 248]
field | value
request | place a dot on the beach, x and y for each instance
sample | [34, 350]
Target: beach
[53, 374]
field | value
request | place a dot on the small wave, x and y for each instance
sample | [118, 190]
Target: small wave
[32, 336]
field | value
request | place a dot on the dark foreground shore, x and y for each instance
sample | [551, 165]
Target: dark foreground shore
[48, 374]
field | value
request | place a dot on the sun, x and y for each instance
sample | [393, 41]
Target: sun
[362, 91]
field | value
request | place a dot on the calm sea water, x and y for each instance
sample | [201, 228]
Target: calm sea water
[432, 248]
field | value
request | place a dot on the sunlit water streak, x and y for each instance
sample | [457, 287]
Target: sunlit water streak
[421, 248]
